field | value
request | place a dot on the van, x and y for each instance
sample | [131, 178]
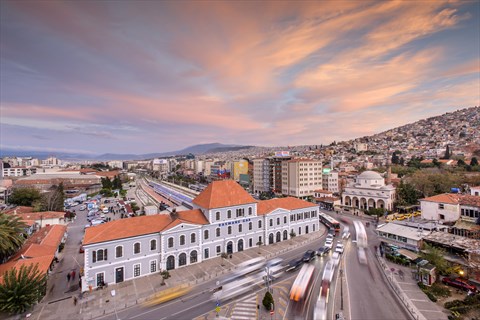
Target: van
[96, 222]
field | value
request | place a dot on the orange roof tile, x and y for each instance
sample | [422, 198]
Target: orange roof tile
[289, 203]
[223, 193]
[42, 215]
[19, 209]
[55, 235]
[136, 226]
[470, 200]
[44, 263]
[443, 198]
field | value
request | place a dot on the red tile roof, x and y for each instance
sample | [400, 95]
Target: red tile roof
[19, 209]
[223, 193]
[450, 198]
[42, 215]
[136, 226]
[289, 203]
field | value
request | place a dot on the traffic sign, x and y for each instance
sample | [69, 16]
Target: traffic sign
[218, 304]
[217, 309]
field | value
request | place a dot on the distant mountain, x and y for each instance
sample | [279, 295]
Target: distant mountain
[196, 149]
[44, 154]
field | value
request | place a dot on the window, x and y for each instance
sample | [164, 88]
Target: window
[193, 238]
[136, 248]
[240, 228]
[250, 226]
[118, 251]
[217, 215]
[182, 240]
[170, 242]
[205, 253]
[229, 214]
[99, 255]
[271, 222]
[259, 224]
[250, 242]
[299, 230]
[100, 279]
[240, 212]
[136, 270]
[153, 266]
[278, 221]
[193, 256]
[441, 206]
[205, 234]
[218, 232]
[285, 219]
[219, 249]
[260, 239]
[153, 244]
[250, 211]
[229, 230]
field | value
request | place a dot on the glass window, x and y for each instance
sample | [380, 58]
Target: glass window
[136, 248]
[250, 211]
[153, 266]
[206, 253]
[170, 242]
[153, 244]
[193, 238]
[217, 215]
[100, 279]
[136, 270]
[259, 224]
[240, 228]
[118, 251]
[218, 232]
[229, 230]
[229, 214]
[250, 225]
[205, 234]
[285, 219]
[182, 240]
[278, 221]
[219, 249]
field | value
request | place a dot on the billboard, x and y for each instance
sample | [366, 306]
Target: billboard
[326, 170]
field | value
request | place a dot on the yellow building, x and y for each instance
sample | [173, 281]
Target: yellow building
[239, 167]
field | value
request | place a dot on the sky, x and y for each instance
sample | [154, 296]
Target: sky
[156, 76]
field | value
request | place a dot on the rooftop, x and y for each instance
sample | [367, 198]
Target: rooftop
[289, 203]
[404, 231]
[219, 194]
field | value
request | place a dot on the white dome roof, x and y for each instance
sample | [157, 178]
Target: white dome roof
[370, 175]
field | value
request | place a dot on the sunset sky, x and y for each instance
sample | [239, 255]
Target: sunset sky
[155, 76]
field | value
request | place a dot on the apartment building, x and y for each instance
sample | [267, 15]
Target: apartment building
[261, 175]
[330, 181]
[225, 218]
[301, 177]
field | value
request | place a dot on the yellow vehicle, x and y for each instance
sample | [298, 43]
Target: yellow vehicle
[417, 214]
[400, 217]
[167, 295]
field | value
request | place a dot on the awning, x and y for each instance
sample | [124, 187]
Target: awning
[407, 253]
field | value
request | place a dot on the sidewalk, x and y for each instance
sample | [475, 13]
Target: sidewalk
[407, 290]
[130, 293]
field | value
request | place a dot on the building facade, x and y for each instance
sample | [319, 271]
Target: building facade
[369, 191]
[261, 175]
[226, 219]
[301, 177]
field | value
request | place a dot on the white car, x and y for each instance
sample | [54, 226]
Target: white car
[105, 210]
[362, 256]
[336, 258]
[329, 243]
[339, 248]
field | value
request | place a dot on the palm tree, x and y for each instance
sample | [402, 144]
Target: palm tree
[21, 288]
[11, 235]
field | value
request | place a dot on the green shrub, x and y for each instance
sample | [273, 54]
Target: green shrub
[421, 285]
[430, 295]
[463, 309]
[453, 304]
[267, 300]
[440, 290]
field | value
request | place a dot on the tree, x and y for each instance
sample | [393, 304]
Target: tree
[429, 184]
[21, 288]
[407, 194]
[53, 200]
[11, 235]
[268, 301]
[436, 257]
[474, 162]
[448, 153]
[24, 196]
[117, 183]
[461, 163]
[395, 157]
[106, 183]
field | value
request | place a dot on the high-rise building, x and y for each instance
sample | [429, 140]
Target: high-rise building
[261, 175]
[301, 177]
[330, 181]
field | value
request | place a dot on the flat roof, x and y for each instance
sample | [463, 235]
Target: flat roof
[453, 240]
[403, 231]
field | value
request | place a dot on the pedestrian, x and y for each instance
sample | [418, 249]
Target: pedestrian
[73, 274]
[68, 277]
[74, 301]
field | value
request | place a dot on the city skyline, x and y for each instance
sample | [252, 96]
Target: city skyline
[140, 77]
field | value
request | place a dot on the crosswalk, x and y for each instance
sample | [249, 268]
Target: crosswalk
[245, 309]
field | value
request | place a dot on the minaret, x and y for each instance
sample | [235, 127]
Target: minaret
[389, 172]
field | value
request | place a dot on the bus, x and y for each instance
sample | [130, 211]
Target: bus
[301, 288]
[329, 222]
[362, 241]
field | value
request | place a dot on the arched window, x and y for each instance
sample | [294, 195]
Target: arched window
[182, 240]
[259, 224]
[193, 256]
[271, 222]
[217, 215]
[136, 248]
[250, 211]
[229, 230]
[182, 259]
[240, 228]
[250, 225]
[217, 231]
[153, 244]
[229, 214]
[205, 234]
[118, 251]
[193, 238]
[170, 242]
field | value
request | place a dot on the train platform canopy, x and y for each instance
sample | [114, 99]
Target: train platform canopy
[403, 231]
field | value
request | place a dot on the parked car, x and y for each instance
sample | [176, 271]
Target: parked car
[323, 251]
[339, 248]
[309, 256]
[83, 207]
[105, 210]
[294, 264]
[460, 284]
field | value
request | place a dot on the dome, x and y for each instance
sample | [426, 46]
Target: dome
[370, 175]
